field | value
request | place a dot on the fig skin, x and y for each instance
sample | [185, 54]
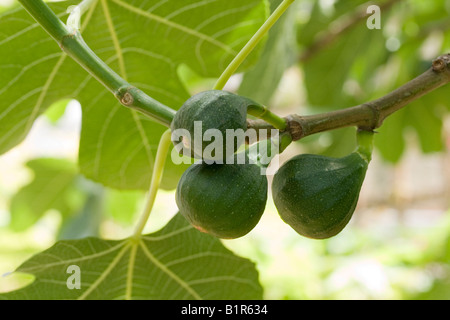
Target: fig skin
[213, 109]
[224, 200]
[317, 195]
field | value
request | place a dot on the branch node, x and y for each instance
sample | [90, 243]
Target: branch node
[294, 127]
[441, 63]
[124, 95]
[377, 119]
[127, 99]
[67, 37]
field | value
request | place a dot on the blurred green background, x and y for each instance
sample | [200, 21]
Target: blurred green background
[322, 57]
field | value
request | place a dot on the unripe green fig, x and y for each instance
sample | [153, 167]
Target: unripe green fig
[317, 195]
[205, 119]
[224, 200]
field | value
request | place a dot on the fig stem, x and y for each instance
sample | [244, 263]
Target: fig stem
[364, 141]
[265, 114]
[158, 167]
[263, 152]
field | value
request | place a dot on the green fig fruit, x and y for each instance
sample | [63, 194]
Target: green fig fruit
[224, 200]
[203, 122]
[317, 195]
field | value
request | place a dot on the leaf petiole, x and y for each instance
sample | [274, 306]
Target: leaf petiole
[258, 111]
[158, 167]
[251, 44]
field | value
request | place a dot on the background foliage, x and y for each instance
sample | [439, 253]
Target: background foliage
[398, 245]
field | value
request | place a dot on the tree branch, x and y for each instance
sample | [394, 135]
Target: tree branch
[370, 115]
[72, 43]
[367, 116]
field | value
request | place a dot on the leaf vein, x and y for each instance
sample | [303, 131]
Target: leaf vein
[104, 273]
[41, 266]
[177, 26]
[171, 274]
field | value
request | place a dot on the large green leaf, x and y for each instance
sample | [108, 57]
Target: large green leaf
[145, 42]
[177, 262]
